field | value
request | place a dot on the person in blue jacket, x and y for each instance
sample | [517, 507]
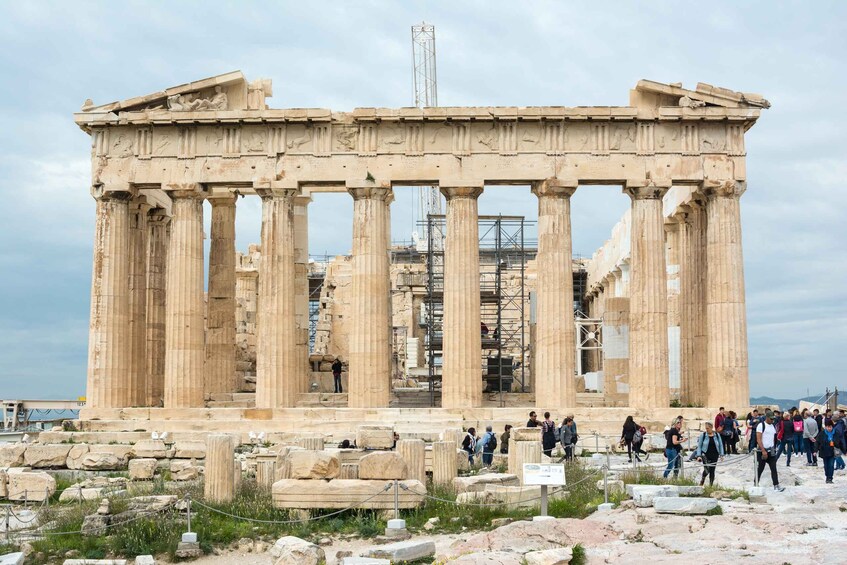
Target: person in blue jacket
[709, 452]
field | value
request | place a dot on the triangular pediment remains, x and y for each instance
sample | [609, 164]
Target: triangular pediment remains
[229, 91]
[656, 94]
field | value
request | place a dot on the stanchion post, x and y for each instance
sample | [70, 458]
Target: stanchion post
[596, 442]
[755, 470]
[7, 523]
[396, 499]
[188, 500]
[606, 485]
[543, 500]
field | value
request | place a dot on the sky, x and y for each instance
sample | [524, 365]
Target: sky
[342, 55]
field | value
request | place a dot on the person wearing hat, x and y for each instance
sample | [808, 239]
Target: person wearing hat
[766, 449]
[827, 442]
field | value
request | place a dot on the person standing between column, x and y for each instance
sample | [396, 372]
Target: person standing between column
[828, 442]
[673, 449]
[489, 444]
[336, 375]
[766, 449]
[710, 450]
[548, 435]
[810, 434]
[469, 444]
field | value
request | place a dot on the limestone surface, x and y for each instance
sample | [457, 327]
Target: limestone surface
[142, 469]
[403, 551]
[39, 456]
[12, 454]
[291, 550]
[383, 465]
[684, 505]
[312, 465]
[33, 486]
[478, 483]
[342, 493]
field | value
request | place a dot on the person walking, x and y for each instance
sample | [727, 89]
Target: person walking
[786, 440]
[828, 442]
[628, 437]
[797, 423]
[673, 449]
[336, 374]
[566, 439]
[504, 439]
[710, 450]
[838, 425]
[469, 444]
[548, 435]
[766, 450]
[810, 435]
[489, 444]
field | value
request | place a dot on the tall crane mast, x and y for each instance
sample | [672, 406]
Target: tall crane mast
[425, 88]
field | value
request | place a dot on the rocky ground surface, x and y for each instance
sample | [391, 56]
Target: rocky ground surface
[806, 523]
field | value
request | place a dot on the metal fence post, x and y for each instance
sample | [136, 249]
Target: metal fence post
[755, 470]
[396, 499]
[606, 485]
[188, 499]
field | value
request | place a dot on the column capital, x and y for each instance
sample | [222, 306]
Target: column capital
[646, 189]
[185, 190]
[222, 197]
[361, 190]
[723, 188]
[460, 190]
[120, 191]
[278, 189]
[302, 199]
[556, 188]
[158, 216]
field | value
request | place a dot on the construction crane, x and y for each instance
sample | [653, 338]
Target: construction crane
[425, 87]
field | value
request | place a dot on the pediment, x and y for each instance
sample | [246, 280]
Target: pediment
[654, 94]
[228, 91]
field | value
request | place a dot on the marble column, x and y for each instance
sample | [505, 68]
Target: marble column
[692, 294]
[444, 463]
[648, 304]
[301, 288]
[107, 384]
[672, 267]
[276, 342]
[413, 451]
[616, 350]
[137, 374]
[184, 306]
[554, 326]
[726, 317]
[370, 324]
[158, 235]
[462, 366]
[219, 477]
[220, 322]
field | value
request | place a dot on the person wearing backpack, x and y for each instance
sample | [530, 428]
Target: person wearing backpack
[628, 437]
[765, 433]
[840, 428]
[786, 438]
[828, 442]
[548, 435]
[489, 444]
[638, 441]
[469, 444]
[566, 439]
[797, 422]
[810, 435]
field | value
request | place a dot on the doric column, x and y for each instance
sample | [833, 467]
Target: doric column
[616, 349]
[138, 303]
[276, 343]
[184, 306]
[219, 477]
[246, 313]
[726, 317]
[220, 322]
[370, 330]
[462, 365]
[301, 288]
[648, 314]
[672, 289]
[554, 322]
[158, 234]
[692, 295]
[108, 347]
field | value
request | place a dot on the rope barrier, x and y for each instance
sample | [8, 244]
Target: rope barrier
[281, 522]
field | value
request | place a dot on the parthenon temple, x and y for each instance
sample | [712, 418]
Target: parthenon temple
[663, 300]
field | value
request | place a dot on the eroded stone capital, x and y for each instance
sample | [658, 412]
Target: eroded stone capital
[647, 189]
[371, 191]
[723, 188]
[120, 192]
[158, 217]
[185, 190]
[451, 192]
[555, 188]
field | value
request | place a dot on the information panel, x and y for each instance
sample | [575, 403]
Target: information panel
[544, 474]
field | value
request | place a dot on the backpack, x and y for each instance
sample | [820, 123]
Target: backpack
[491, 444]
[798, 425]
[637, 437]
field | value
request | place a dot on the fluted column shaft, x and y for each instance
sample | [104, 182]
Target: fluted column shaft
[554, 326]
[158, 226]
[692, 293]
[220, 332]
[444, 464]
[370, 345]
[107, 384]
[219, 480]
[138, 304]
[276, 342]
[413, 451]
[184, 305]
[462, 365]
[726, 317]
[301, 286]
[648, 305]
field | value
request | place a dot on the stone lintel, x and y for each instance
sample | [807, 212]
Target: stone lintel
[723, 188]
[557, 188]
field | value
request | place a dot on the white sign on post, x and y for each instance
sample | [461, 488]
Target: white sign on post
[552, 474]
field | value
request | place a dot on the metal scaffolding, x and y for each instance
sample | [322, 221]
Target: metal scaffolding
[504, 302]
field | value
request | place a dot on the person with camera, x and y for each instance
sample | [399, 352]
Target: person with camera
[709, 451]
[673, 449]
[766, 449]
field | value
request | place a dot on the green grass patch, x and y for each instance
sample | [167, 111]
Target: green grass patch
[579, 557]
[716, 511]
[651, 476]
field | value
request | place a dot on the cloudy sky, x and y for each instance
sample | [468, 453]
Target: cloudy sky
[340, 55]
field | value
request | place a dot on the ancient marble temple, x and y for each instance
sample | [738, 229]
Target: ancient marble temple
[156, 341]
